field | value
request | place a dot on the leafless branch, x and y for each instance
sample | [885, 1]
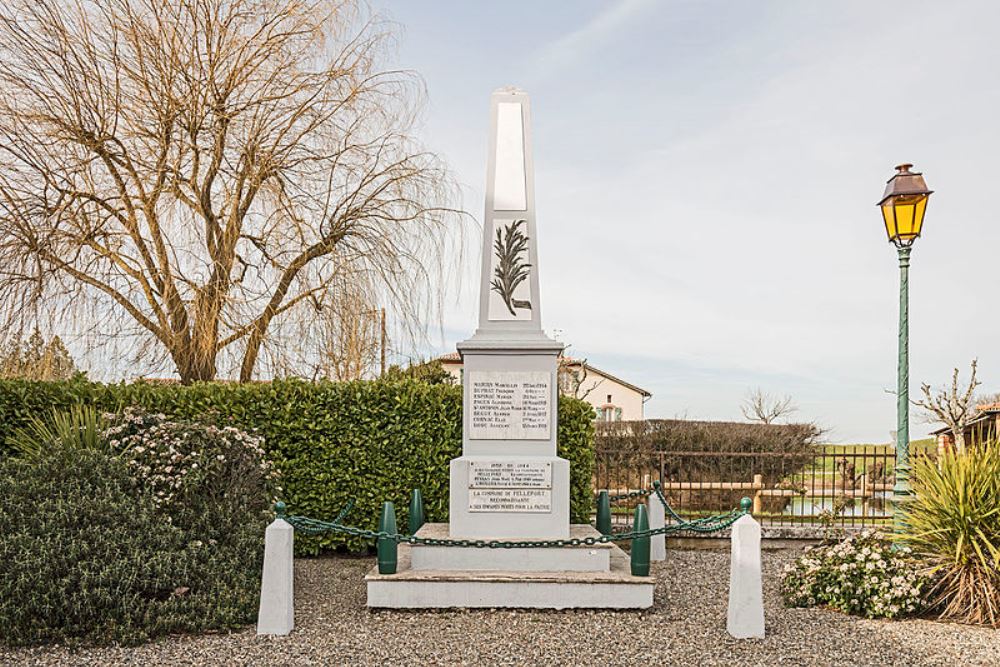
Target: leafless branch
[952, 406]
[761, 407]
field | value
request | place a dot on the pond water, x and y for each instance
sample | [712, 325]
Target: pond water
[880, 505]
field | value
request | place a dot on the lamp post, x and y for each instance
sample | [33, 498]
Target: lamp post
[903, 205]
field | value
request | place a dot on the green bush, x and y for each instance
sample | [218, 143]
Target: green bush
[861, 575]
[711, 452]
[331, 442]
[953, 525]
[88, 556]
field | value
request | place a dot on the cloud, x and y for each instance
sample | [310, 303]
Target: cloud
[571, 47]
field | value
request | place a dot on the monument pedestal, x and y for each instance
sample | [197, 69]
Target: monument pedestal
[582, 577]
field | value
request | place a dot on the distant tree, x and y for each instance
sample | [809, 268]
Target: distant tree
[37, 359]
[763, 408]
[952, 406]
[431, 372]
[981, 400]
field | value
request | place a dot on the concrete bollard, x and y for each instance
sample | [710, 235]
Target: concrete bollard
[276, 615]
[657, 519]
[604, 513]
[746, 596]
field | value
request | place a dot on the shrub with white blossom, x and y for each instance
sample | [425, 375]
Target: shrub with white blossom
[861, 575]
[173, 458]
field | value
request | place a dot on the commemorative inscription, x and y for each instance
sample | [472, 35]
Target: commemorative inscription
[510, 500]
[510, 475]
[510, 405]
[510, 486]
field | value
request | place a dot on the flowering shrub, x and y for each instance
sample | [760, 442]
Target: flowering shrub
[861, 575]
[180, 462]
[213, 483]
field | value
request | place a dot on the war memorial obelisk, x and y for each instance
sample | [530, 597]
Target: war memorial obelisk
[509, 481]
[509, 484]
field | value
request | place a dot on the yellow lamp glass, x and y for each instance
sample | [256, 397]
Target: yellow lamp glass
[904, 216]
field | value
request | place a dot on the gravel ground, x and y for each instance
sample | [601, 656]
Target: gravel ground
[685, 626]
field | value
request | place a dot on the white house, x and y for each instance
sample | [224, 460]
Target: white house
[614, 399]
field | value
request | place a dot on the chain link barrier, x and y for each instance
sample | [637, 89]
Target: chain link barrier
[657, 490]
[706, 525]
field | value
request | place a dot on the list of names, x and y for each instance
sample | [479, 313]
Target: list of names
[510, 405]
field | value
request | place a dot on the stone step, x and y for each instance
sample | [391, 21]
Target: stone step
[615, 588]
[583, 558]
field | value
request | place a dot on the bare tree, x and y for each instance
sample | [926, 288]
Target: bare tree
[572, 375]
[951, 406]
[761, 407]
[338, 338]
[202, 170]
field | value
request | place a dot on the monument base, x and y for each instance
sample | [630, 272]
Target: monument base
[416, 586]
[583, 558]
[475, 519]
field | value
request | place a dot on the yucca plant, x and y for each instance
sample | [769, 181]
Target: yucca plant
[953, 524]
[78, 427]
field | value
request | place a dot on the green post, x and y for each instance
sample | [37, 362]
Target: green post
[386, 547]
[901, 490]
[640, 545]
[604, 513]
[415, 519]
[279, 510]
[746, 505]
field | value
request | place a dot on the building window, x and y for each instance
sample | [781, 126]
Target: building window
[609, 413]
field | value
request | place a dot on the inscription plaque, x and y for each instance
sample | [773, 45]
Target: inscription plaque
[510, 475]
[510, 405]
[510, 500]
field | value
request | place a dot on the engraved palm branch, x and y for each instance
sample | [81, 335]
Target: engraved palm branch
[510, 246]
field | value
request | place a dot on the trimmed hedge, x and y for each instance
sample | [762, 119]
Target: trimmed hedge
[715, 442]
[331, 442]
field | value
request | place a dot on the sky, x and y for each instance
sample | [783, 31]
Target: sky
[706, 177]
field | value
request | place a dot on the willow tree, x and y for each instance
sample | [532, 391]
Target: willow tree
[205, 168]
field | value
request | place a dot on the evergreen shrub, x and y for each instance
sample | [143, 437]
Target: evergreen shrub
[88, 556]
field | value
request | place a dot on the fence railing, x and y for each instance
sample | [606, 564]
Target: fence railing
[830, 485]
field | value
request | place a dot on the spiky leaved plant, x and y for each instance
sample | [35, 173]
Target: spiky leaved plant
[953, 524]
[510, 245]
[78, 427]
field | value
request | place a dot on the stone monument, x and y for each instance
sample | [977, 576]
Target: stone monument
[509, 481]
[509, 485]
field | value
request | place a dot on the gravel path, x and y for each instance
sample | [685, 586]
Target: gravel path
[686, 626]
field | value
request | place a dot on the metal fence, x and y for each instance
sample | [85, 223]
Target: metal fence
[847, 486]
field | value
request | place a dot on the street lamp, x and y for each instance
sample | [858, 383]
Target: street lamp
[903, 205]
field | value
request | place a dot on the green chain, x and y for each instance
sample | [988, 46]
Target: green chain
[657, 490]
[709, 524]
[641, 493]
